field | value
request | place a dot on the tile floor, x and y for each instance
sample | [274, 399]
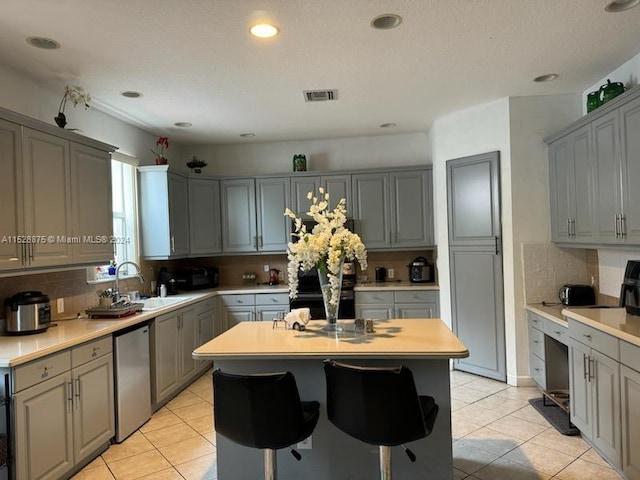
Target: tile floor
[497, 435]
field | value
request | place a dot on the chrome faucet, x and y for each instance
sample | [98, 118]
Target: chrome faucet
[139, 275]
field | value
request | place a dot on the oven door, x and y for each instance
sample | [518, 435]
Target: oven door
[313, 301]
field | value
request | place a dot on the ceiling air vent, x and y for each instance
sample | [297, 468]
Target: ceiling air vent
[320, 95]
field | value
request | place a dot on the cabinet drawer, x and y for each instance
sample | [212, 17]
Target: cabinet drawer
[37, 371]
[600, 341]
[205, 305]
[537, 371]
[238, 300]
[630, 355]
[536, 342]
[272, 299]
[91, 350]
[556, 331]
[536, 321]
[416, 296]
[374, 297]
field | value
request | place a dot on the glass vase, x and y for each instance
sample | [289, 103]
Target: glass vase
[330, 309]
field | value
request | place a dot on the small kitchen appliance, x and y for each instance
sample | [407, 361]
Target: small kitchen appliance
[576, 295]
[169, 280]
[273, 276]
[381, 274]
[630, 291]
[420, 271]
[194, 278]
[27, 312]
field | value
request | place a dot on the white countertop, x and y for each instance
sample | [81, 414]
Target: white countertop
[19, 349]
[425, 338]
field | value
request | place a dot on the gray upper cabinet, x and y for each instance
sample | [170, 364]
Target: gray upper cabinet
[10, 194]
[274, 228]
[238, 201]
[594, 168]
[393, 209]
[164, 213]
[205, 234]
[253, 217]
[337, 186]
[300, 187]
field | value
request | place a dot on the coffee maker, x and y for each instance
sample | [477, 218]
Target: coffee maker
[630, 291]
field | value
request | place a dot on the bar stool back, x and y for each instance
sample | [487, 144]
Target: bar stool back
[378, 406]
[262, 411]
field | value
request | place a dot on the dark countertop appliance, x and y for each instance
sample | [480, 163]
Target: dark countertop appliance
[27, 312]
[195, 278]
[420, 271]
[630, 291]
[576, 295]
[169, 280]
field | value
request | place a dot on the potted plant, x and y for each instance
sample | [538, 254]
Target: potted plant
[162, 142]
[196, 164]
[76, 95]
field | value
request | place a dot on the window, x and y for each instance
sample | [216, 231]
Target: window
[125, 217]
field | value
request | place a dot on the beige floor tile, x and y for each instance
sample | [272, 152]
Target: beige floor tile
[487, 385]
[96, 463]
[461, 427]
[206, 395]
[583, 470]
[459, 475]
[519, 393]
[203, 468]
[135, 444]
[139, 465]
[457, 405]
[100, 472]
[211, 437]
[202, 424]
[542, 459]
[466, 394]
[503, 469]
[168, 474]
[492, 441]
[479, 415]
[517, 427]
[186, 450]
[196, 410]
[469, 458]
[501, 404]
[530, 414]
[169, 435]
[571, 445]
[594, 457]
[460, 378]
[184, 399]
[161, 419]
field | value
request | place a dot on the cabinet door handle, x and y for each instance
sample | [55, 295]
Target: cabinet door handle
[70, 387]
[30, 247]
[584, 367]
[623, 226]
[568, 227]
[573, 227]
[497, 245]
[77, 391]
[173, 244]
[617, 225]
[591, 372]
[557, 332]
[261, 243]
[536, 342]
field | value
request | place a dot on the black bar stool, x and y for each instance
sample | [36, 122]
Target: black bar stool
[378, 406]
[262, 411]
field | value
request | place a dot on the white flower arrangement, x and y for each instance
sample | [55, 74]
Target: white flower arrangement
[325, 247]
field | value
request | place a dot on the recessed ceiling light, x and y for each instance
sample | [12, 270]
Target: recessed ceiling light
[264, 30]
[387, 125]
[621, 5]
[549, 77]
[183, 124]
[131, 94]
[247, 135]
[43, 43]
[386, 21]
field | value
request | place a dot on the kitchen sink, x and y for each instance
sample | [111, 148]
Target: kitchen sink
[156, 303]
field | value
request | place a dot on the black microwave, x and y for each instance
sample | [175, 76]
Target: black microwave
[194, 278]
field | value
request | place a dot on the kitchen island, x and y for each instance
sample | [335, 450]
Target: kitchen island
[423, 345]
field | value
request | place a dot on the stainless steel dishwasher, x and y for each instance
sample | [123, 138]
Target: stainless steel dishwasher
[132, 379]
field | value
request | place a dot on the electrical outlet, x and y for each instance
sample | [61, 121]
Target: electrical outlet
[305, 444]
[265, 268]
[60, 305]
[391, 273]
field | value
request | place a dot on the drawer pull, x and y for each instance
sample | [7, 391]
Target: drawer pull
[45, 372]
[536, 369]
[588, 337]
[536, 341]
[95, 351]
[557, 332]
[239, 301]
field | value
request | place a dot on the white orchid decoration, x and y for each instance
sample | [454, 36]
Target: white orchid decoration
[326, 246]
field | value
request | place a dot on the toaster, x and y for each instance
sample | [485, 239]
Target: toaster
[575, 295]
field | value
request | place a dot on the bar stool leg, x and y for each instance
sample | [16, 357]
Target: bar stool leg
[385, 462]
[270, 466]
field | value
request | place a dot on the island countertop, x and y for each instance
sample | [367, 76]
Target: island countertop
[427, 338]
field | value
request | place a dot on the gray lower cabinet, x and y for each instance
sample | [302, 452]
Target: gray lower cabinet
[252, 307]
[65, 420]
[630, 408]
[207, 328]
[397, 304]
[393, 209]
[537, 368]
[173, 339]
[164, 213]
[594, 376]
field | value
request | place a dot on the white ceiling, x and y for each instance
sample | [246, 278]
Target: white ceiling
[195, 61]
